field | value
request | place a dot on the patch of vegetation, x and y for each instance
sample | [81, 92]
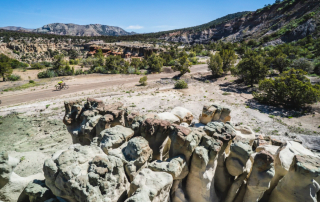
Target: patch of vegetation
[181, 84]
[14, 77]
[22, 87]
[226, 93]
[143, 81]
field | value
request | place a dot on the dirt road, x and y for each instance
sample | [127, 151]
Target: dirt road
[27, 96]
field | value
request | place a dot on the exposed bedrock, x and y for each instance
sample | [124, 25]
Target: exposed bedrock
[214, 113]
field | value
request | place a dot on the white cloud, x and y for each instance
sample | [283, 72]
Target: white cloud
[135, 27]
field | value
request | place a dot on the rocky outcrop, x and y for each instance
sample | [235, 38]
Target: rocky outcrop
[144, 158]
[301, 183]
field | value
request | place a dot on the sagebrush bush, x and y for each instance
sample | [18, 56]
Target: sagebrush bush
[143, 80]
[47, 74]
[181, 84]
[14, 77]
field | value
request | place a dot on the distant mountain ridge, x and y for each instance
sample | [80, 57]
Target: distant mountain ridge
[75, 30]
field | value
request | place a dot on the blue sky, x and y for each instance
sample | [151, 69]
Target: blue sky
[140, 16]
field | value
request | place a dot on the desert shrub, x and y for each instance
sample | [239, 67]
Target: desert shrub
[37, 66]
[14, 77]
[143, 80]
[291, 88]
[181, 84]
[303, 64]
[47, 74]
[79, 72]
[100, 69]
[31, 81]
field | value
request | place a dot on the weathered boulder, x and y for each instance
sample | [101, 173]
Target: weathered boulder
[167, 116]
[37, 191]
[73, 111]
[214, 113]
[301, 183]
[199, 184]
[86, 173]
[156, 132]
[86, 122]
[114, 137]
[176, 166]
[150, 186]
[236, 162]
[183, 114]
[260, 177]
[135, 154]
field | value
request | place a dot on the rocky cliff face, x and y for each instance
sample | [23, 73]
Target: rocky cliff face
[82, 30]
[283, 22]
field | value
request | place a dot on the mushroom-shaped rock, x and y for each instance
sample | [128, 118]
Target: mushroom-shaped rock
[202, 170]
[167, 116]
[301, 183]
[176, 166]
[260, 177]
[150, 186]
[86, 173]
[237, 160]
[135, 154]
[156, 132]
[184, 141]
[214, 113]
[183, 114]
[114, 137]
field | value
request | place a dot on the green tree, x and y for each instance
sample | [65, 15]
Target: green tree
[155, 63]
[303, 64]
[251, 69]
[73, 54]
[183, 65]
[229, 57]
[281, 62]
[291, 88]
[5, 68]
[58, 62]
[98, 54]
[215, 65]
[135, 62]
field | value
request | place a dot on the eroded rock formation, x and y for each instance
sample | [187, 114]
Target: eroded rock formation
[130, 157]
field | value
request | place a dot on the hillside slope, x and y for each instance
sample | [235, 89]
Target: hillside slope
[283, 22]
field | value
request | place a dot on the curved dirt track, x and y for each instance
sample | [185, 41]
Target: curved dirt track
[50, 93]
